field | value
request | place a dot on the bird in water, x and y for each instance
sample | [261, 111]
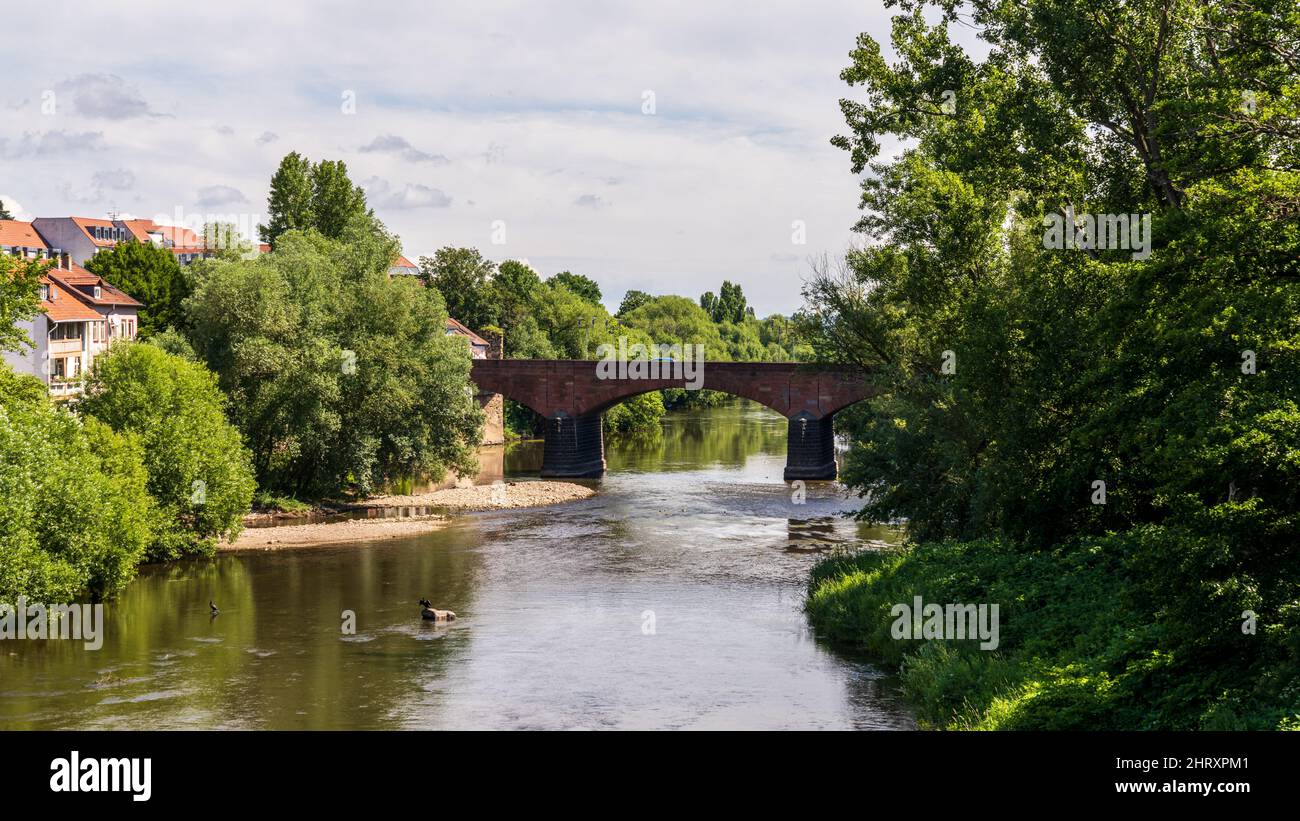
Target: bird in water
[428, 613]
[214, 609]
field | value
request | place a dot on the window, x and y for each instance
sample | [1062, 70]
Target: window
[45, 293]
[65, 331]
[67, 367]
[97, 292]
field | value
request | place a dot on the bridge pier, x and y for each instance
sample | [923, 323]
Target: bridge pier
[810, 447]
[573, 447]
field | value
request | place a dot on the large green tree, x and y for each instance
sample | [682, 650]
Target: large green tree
[4, 212]
[339, 378]
[583, 286]
[149, 274]
[200, 475]
[313, 195]
[464, 277]
[337, 203]
[75, 517]
[290, 204]
[1044, 394]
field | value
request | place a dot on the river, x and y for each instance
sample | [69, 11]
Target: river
[670, 600]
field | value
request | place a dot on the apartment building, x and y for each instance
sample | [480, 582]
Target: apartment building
[81, 314]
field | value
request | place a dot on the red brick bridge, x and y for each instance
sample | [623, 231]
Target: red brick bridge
[572, 394]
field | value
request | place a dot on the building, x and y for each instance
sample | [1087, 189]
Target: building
[403, 267]
[493, 404]
[81, 314]
[20, 239]
[80, 237]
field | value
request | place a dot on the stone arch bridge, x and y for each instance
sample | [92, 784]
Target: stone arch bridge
[572, 394]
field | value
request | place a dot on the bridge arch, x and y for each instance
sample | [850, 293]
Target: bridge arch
[571, 395]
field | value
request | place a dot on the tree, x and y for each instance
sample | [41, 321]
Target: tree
[336, 202]
[727, 306]
[4, 212]
[200, 476]
[464, 278]
[151, 275]
[340, 379]
[1016, 377]
[75, 517]
[514, 288]
[632, 300]
[290, 204]
[583, 286]
[731, 306]
[20, 299]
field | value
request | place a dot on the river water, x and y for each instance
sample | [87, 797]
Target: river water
[670, 600]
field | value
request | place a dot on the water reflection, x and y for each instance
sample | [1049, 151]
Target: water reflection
[670, 600]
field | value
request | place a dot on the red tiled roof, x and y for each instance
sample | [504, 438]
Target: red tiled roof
[140, 229]
[85, 223]
[403, 262]
[179, 235]
[64, 307]
[108, 294]
[17, 234]
[455, 327]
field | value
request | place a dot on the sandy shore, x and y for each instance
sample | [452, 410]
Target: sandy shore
[490, 497]
[323, 533]
[482, 497]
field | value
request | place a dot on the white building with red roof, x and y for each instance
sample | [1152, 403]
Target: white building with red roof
[81, 314]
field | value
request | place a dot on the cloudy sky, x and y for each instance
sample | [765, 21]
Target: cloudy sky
[656, 145]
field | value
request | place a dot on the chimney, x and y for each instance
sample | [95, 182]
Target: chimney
[496, 339]
[65, 260]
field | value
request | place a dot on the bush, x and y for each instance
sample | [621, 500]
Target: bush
[1091, 637]
[199, 470]
[75, 516]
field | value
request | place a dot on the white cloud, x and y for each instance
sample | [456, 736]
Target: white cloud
[746, 99]
[215, 196]
[382, 195]
[398, 146]
[104, 96]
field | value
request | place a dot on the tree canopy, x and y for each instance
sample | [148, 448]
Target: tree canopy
[149, 274]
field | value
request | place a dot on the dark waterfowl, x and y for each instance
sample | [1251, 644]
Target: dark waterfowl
[429, 613]
[213, 608]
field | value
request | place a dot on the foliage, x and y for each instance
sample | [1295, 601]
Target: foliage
[339, 377]
[632, 300]
[20, 299]
[4, 212]
[75, 517]
[463, 277]
[1090, 637]
[1014, 376]
[149, 274]
[583, 286]
[317, 196]
[728, 306]
[199, 472]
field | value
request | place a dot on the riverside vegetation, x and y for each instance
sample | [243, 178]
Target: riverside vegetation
[1170, 600]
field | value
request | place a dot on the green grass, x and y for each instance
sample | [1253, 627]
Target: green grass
[1087, 641]
[265, 501]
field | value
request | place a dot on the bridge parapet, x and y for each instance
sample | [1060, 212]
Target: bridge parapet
[574, 387]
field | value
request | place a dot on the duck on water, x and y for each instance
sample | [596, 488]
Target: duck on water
[429, 613]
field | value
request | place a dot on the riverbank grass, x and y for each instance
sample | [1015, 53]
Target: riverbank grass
[1089, 638]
